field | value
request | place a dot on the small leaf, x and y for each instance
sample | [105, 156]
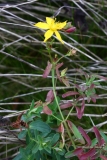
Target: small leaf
[47, 110]
[104, 136]
[32, 105]
[65, 81]
[69, 93]
[73, 153]
[29, 147]
[87, 138]
[79, 113]
[48, 149]
[66, 105]
[40, 126]
[90, 81]
[35, 148]
[76, 132]
[61, 128]
[62, 152]
[104, 78]
[105, 147]
[53, 105]
[47, 70]
[50, 96]
[98, 136]
[94, 97]
[94, 142]
[54, 139]
[90, 92]
[22, 152]
[97, 83]
[58, 72]
[63, 72]
[103, 157]
[83, 105]
[22, 134]
[18, 157]
[24, 118]
[88, 154]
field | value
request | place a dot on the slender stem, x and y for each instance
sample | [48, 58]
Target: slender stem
[69, 113]
[63, 120]
[49, 51]
[56, 118]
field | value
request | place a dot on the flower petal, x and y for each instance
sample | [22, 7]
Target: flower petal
[42, 25]
[49, 21]
[59, 37]
[61, 25]
[48, 34]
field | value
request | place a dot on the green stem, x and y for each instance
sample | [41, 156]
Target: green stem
[49, 51]
[63, 120]
[69, 113]
[56, 118]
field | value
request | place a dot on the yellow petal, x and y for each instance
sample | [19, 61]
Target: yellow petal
[61, 25]
[59, 37]
[50, 21]
[42, 25]
[48, 34]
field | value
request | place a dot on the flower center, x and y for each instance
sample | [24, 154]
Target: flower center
[53, 27]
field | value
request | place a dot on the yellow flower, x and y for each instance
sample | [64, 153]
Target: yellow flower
[52, 27]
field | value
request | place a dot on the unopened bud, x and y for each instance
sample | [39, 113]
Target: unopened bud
[68, 25]
[70, 30]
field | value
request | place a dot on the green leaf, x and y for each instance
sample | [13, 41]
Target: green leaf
[38, 156]
[53, 105]
[27, 118]
[104, 136]
[28, 139]
[105, 148]
[37, 110]
[54, 139]
[41, 126]
[24, 117]
[62, 152]
[90, 92]
[29, 147]
[22, 134]
[32, 105]
[18, 157]
[57, 156]
[48, 149]
[63, 72]
[39, 138]
[31, 157]
[76, 132]
[35, 148]
[94, 142]
[22, 152]
[90, 81]
[97, 83]
[69, 154]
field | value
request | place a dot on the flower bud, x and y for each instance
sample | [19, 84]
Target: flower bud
[68, 25]
[70, 30]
